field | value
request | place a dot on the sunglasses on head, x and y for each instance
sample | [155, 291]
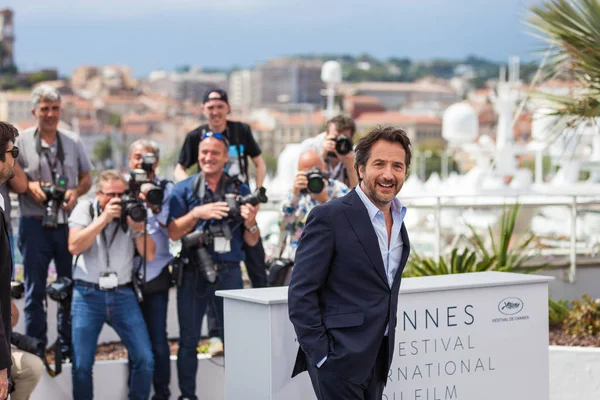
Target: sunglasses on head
[14, 151]
[216, 135]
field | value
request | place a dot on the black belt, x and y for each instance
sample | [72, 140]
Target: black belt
[38, 218]
[227, 265]
[97, 287]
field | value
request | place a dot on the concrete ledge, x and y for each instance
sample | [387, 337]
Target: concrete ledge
[574, 373]
[110, 381]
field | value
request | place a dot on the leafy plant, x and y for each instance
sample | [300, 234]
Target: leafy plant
[571, 28]
[584, 317]
[459, 263]
[502, 256]
[558, 311]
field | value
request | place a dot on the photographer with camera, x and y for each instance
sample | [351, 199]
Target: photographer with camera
[107, 232]
[242, 148]
[144, 155]
[8, 155]
[311, 188]
[58, 171]
[336, 148]
[214, 216]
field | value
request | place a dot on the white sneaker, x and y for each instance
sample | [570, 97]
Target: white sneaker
[216, 347]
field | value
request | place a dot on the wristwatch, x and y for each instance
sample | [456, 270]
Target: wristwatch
[253, 228]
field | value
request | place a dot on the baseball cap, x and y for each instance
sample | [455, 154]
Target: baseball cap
[217, 94]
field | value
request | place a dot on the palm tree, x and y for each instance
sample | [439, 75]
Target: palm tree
[571, 28]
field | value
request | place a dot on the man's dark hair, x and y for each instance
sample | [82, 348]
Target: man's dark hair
[343, 123]
[7, 133]
[389, 134]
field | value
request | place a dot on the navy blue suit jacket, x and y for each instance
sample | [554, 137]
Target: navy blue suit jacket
[339, 298]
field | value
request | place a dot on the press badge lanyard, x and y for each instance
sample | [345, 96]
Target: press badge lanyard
[106, 244]
[60, 155]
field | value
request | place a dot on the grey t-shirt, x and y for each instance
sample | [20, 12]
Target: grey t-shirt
[121, 251]
[37, 167]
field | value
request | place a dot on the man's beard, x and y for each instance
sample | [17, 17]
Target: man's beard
[7, 174]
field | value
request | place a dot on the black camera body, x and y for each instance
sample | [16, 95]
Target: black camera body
[343, 144]
[131, 205]
[29, 344]
[235, 201]
[199, 241]
[55, 195]
[316, 181]
[61, 289]
[17, 289]
[139, 183]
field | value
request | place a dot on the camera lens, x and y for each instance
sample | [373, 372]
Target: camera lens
[315, 184]
[155, 196]
[206, 265]
[136, 211]
[343, 144]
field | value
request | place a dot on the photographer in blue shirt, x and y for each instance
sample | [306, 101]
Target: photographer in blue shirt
[212, 253]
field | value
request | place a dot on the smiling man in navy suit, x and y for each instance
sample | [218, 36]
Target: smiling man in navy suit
[343, 295]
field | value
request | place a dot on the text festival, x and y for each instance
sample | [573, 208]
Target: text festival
[454, 364]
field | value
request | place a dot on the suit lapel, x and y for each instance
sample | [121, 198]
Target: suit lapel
[363, 228]
[405, 252]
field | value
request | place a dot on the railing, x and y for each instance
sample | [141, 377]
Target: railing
[437, 203]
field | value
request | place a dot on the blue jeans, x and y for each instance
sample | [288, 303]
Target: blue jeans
[192, 298]
[154, 309]
[119, 308]
[38, 247]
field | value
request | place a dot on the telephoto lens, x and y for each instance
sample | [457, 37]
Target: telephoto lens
[206, 265]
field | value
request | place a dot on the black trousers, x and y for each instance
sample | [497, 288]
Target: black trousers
[329, 386]
[257, 272]
[255, 264]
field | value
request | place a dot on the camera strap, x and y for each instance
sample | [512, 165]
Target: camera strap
[60, 157]
[107, 245]
[199, 187]
[241, 157]
[60, 154]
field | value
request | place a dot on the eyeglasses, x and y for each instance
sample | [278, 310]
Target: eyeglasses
[14, 152]
[112, 194]
[216, 135]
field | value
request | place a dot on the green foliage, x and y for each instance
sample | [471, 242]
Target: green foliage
[271, 162]
[584, 317]
[558, 311]
[501, 257]
[114, 120]
[36, 77]
[459, 263]
[411, 70]
[571, 28]
[168, 160]
[547, 168]
[103, 150]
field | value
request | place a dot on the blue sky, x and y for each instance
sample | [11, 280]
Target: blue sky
[157, 34]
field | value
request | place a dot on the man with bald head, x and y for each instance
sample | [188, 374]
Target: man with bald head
[305, 195]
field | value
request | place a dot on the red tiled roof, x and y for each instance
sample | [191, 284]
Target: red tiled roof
[395, 117]
[135, 129]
